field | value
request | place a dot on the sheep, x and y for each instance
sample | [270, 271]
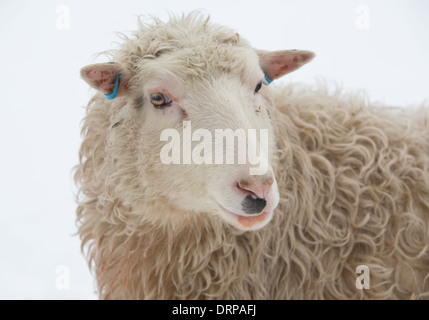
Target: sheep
[346, 187]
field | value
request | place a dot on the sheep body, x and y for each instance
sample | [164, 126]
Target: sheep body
[354, 190]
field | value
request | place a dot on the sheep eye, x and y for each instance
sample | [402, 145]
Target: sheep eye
[258, 87]
[160, 100]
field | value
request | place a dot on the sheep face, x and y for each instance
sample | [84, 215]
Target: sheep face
[207, 170]
[197, 127]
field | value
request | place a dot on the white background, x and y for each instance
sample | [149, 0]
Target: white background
[42, 101]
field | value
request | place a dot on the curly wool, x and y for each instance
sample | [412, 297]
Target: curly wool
[354, 188]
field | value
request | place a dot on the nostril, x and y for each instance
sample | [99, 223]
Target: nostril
[252, 205]
[250, 189]
[258, 190]
[243, 185]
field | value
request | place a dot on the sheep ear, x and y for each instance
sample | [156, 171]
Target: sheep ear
[278, 63]
[104, 77]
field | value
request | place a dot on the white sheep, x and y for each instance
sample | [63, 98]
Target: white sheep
[345, 185]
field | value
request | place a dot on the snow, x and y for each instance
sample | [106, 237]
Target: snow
[43, 99]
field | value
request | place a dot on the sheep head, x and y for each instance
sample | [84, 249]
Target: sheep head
[190, 107]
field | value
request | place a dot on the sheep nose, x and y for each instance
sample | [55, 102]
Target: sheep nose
[252, 205]
[254, 202]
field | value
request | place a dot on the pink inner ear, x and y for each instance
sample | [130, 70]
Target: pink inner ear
[281, 64]
[102, 79]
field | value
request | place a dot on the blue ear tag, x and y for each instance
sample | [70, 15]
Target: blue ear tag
[267, 80]
[114, 94]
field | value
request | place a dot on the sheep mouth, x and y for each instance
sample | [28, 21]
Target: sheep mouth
[245, 222]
